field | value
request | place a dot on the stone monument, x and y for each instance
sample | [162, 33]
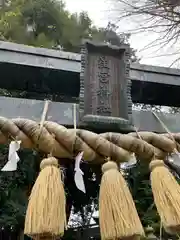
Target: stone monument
[105, 87]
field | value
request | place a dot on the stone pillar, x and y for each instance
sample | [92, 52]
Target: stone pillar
[105, 87]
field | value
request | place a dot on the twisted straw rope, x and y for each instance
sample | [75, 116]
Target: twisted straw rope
[95, 146]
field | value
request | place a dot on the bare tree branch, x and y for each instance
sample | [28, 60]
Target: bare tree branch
[157, 16]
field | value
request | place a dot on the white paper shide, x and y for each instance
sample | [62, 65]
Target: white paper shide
[78, 176]
[13, 157]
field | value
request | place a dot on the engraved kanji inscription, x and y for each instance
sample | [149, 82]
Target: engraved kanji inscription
[103, 96]
[102, 62]
[103, 93]
[103, 110]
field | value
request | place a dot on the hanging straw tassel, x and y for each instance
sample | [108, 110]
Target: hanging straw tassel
[46, 215]
[117, 212]
[166, 192]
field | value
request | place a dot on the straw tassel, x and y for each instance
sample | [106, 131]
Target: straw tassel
[46, 214]
[166, 192]
[117, 212]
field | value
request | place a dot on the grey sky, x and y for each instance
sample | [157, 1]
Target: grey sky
[102, 11]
